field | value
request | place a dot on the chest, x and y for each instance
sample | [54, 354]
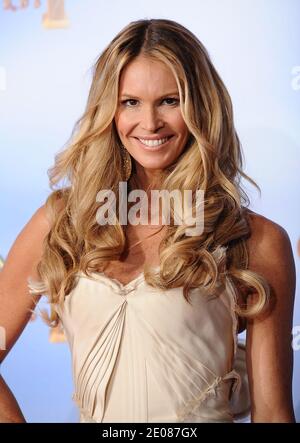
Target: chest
[142, 248]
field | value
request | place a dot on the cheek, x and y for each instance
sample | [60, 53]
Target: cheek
[179, 124]
[183, 129]
[123, 123]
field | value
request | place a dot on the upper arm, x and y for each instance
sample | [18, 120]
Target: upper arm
[269, 337]
[15, 299]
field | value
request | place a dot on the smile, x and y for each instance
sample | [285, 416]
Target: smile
[154, 142]
[154, 145]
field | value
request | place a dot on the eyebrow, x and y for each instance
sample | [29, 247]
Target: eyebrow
[159, 98]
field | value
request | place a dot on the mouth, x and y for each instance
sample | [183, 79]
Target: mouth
[154, 145]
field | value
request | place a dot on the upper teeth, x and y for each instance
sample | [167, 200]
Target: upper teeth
[153, 142]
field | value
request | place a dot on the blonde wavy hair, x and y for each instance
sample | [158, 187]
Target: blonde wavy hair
[211, 161]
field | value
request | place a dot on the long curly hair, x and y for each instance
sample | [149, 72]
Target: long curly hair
[211, 161]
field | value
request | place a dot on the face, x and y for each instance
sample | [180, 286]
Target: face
[148, 118]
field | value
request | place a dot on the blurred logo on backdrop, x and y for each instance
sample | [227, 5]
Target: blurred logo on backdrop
[54, 17]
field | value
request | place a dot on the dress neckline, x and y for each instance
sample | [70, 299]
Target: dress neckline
[116, 284]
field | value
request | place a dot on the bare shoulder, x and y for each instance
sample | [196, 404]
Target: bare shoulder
[269, 351]
[271, 256]
[269, 245]
[264, 228]
[26, 250]
[20, 264]
[40, 219]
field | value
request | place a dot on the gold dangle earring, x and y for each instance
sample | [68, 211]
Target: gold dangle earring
[126, 164]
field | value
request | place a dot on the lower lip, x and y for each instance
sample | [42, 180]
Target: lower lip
[154, 148]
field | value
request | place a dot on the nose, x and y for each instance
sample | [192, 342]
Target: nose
[150, 119]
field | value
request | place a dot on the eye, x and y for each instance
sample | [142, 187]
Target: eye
[126, 102]
[174, 100]
[131, 102]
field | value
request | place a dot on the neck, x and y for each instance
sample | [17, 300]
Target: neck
[146, 179]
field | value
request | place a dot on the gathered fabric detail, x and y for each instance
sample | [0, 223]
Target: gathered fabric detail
[93, 377]
[190, 407]
[143, 355]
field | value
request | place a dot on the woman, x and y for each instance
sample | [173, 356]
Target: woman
[152, 313]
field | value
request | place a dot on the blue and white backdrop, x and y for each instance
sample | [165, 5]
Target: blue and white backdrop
[46, 51]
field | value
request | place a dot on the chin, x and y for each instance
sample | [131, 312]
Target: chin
[153, 165]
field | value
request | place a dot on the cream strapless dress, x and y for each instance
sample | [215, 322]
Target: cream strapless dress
[145, 355]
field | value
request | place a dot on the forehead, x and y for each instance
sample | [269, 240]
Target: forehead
[144, 76]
